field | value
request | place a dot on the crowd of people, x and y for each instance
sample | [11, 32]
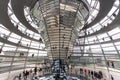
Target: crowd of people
[27, 74]
[24, 75]
[91, 73]
[110, 63]
[32, 74]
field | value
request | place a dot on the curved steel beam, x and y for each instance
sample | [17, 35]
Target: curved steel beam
[18, 8]
[105, 7]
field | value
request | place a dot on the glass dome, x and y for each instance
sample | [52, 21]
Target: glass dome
[96, 47]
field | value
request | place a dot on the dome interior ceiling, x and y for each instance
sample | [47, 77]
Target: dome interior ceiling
[100, 35]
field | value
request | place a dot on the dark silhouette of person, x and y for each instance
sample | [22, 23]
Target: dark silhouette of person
[19, 76]
[26, 74]
[112, 77]
[0, 50]
[112, 64]
[108, 63]
[100, 74]
[35, 70]
[32, 55]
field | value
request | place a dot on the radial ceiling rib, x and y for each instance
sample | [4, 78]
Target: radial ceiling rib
[105, 7]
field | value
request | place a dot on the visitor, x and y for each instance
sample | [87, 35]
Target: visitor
[108, 63]
[24, 74]
[40, 40]
[32, 55]
[112, 64]
[95, 74]
[35, 70]
[5, 36]
[100, 74]
[17, 26]
[114, 14]
[92, 74]
[0, 50]
[112, 77]
[85, 72]
[19, 43]
[88, 72]
[103, 39]
[19, 76]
